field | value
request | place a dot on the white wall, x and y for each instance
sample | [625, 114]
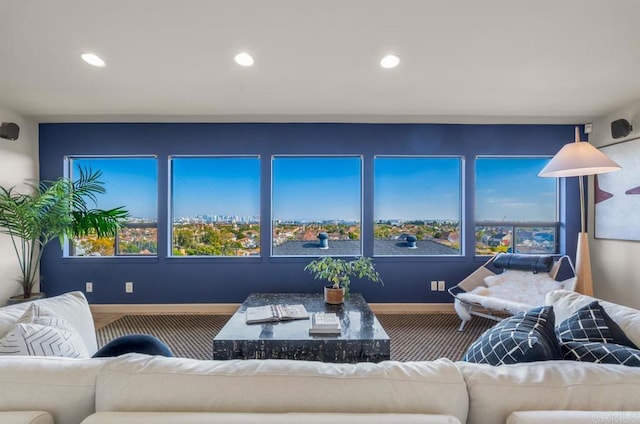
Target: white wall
[18, 161]
[615, 263]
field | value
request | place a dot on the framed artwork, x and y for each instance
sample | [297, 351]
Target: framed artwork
[617, 194]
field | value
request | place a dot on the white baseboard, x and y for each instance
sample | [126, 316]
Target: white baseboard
[230, 308]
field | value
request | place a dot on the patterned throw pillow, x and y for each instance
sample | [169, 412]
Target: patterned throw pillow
[602, 353]
[619, 336]
[40, 333]
[526, 337]
[591, 323]
[586, 325]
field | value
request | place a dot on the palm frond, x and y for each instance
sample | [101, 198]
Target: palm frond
[54, 209]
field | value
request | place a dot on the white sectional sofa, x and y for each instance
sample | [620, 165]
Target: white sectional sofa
[140, 389]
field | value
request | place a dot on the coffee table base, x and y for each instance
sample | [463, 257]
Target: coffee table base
[336, 351]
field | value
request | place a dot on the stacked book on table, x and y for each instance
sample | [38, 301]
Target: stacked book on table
[324, 323]
[270, 313]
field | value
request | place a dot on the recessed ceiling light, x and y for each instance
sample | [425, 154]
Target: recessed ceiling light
[244, 59]
[93, 60]
[390, 61]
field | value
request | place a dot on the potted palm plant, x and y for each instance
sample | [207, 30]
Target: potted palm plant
[338, 272]
[53, 210]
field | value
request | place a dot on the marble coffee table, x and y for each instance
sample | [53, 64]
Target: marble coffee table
[362, 340]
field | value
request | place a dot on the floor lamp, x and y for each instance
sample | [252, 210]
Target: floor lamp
[580, 159]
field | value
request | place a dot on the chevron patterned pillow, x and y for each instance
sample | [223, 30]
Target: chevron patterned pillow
[40, 333]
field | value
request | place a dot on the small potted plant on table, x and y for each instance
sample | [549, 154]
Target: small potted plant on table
[338, 272]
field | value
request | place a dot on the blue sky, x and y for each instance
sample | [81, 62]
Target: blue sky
[315, 189]
[417, 188]
[509, 189]
[216, 186]
[130, 182]
[329, 188]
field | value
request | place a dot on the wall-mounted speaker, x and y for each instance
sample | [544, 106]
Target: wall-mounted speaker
[620, 128]
[9, 130]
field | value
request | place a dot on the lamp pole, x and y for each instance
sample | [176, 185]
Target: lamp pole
[583, 259]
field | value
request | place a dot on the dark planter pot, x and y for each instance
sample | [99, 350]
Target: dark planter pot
[13, 300]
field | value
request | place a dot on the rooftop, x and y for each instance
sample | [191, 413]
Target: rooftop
[352, 248]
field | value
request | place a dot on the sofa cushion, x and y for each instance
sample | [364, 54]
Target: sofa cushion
[39, 332]
[566, 303]
[602, 353]
[526, 337]
[72, 307]
[64, 387]
[25, 417]
[496, 392]
[252, 418]
[573, 417]
[587, 324]
[137, 382]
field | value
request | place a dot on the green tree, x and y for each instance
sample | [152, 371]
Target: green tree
[54, 210]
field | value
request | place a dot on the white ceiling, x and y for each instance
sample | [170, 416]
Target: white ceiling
[549, 61]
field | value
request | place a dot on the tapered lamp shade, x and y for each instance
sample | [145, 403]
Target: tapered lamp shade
[577, 159]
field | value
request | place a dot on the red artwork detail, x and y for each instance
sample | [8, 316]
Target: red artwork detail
[600, 195]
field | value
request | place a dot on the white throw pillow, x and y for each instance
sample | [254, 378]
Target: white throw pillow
[72, 306]
[39, 332]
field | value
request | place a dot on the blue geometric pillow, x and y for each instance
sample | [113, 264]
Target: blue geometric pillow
[586, 325]
[619, 337]
[602, 353]
[526, 337]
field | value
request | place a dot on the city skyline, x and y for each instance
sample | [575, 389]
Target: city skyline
[316, 189]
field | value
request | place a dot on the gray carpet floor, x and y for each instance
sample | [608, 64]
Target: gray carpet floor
[414, 337]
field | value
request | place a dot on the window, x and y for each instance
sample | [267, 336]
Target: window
[216, 206]
[130, 182]
[316, 205]
[417, 206]
[516, 211]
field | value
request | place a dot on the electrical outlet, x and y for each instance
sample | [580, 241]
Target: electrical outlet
[128, 287]
[434, 285]
[88, 287]
[441, 285]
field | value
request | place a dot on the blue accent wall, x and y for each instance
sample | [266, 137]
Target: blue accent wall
[230, 280]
